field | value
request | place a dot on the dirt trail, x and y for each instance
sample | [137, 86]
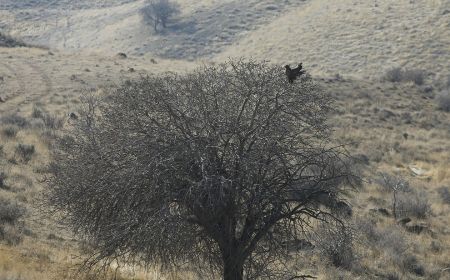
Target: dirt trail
[24, 83]
[36, 76]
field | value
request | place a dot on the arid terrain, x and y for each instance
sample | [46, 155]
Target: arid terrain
[387, 64]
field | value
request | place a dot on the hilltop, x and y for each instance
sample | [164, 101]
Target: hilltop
[361, 38]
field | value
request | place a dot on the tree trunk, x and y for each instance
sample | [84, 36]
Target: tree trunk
[233, 270]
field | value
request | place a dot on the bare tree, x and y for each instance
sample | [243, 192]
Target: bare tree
[395, 184]
[216, 168]
[159, 12]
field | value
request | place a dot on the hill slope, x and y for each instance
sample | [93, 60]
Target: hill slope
[362, 38]
[356, 37]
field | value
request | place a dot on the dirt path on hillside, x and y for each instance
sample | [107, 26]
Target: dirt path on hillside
[25, 83]
[37, 77]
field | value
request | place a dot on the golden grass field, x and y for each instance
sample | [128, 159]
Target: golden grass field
[347, 46]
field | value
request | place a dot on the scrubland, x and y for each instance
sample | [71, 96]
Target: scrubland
[387, 65]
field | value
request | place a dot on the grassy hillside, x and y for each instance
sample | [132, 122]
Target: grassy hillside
[363, 38]
[348, 46]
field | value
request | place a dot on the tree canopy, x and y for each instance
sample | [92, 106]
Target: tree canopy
[215, 168]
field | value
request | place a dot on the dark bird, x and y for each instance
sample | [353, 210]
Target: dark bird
[73, 116]
[292, 74]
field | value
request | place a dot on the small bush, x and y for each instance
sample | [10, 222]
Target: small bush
[15, 119]
[37, 124]
[393, 240]
[2, 181]
[336, 245]
[10, 42]
[444, 192]
[37, 113]
[397, 75]
[443, 101]
[10, 131]
[48, 120]
[392, 276]
[394, 75]
[411, 265]
[10, 234]
[415, 75]
[10, 212]
[413, 204]
[368, 229]
[25, 152]
[52, 122]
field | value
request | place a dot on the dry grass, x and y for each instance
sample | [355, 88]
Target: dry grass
[361, 125]
[396, 127]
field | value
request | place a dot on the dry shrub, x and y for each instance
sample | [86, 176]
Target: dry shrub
[37, 113]
[3, 177]
[15, 119]
[444, 192]
[390, 240]
[10, 131]
[414, 75]
[52, 122]
[413, 204]
[10, 212]
[10, 234]
[412, 265]
[443, 101]
[48, 120]
[394, 75]
[25, 151]
[10, 42]
[336, 245]
[397, 75]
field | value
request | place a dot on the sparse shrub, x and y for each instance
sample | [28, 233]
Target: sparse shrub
[10, 212]
[10, 42]
[444, 192]
[336, 245]
[393, 239]
[435, 246]
[368, 229]
[2, 180]
[37, 124]
[411, 264]
[159, 12]
[392, 276]
[49, 121]
[413, 204]
[414, 75]
[394, 75]
[443, 100]
[52, 122]
[10, 131]
[397, 75]
[10, 234]
[25, 152]
[37, 112]
[15, 119]
[394, 184]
